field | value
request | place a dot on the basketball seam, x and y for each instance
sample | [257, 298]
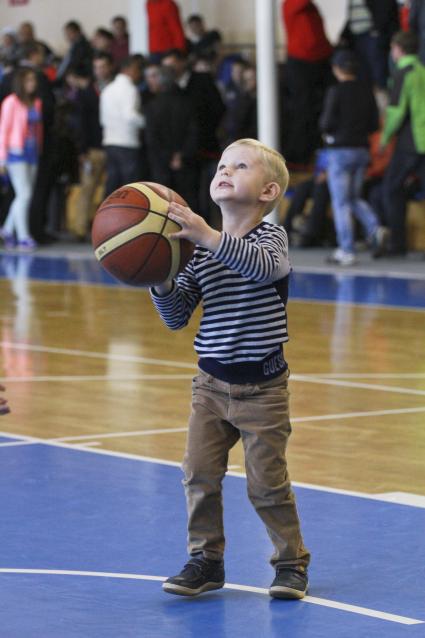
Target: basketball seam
[108, 237]
[151, 251]
[133, 207]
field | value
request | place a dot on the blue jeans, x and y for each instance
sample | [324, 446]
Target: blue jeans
[22, 175]
[346, 169]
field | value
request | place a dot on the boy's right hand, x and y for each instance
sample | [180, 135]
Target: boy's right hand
[4, 408]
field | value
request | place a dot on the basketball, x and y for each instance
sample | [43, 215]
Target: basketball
[130, 235]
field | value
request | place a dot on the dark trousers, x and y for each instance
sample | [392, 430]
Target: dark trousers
[372, 53]
[395, 196]
[316, 222]
[123, 166]
[305, 84]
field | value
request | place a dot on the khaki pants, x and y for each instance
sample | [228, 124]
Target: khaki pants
[82, 205]
[258, 414]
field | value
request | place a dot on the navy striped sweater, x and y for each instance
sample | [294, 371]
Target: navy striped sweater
[244, 289]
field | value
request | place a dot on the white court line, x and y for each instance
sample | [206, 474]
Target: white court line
[113, 435]
[352, 384]
[361, 272]
[324, 602]
[368, 375]
[152, 432]
[303, 419]
[180, 364]
[96, 377]
[356, 304]
[97, 355]
[28, 440]
[91, 443]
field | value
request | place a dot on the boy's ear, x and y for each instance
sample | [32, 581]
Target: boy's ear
[270, 192]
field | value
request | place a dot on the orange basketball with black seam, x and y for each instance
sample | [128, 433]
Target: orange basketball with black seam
[130, 235]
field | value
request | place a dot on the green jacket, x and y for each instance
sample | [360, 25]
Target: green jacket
[407, 102]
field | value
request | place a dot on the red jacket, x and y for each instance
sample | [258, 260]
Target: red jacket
[165, 27]
[306, 37]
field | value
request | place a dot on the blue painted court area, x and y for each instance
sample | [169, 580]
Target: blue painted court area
[341, 287]
[68, 510]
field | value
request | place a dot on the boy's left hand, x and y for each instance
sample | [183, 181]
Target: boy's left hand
[193, 227]
[4, 408]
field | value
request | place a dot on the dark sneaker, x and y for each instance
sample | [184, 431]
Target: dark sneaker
[289, 583]
[379, 243]
[197, 576]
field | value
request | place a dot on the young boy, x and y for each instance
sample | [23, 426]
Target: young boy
[241, 275]
[346, 132]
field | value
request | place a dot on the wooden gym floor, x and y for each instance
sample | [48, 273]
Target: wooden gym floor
[89, 366]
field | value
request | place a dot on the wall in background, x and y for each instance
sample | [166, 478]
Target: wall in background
[234, 19]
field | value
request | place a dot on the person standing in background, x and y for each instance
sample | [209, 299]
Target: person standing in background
[165, 27]
[308, 73]
[405, 120]
[209, 109]
[21, 134]
[172, 137]
[368, 31]
[346, 131]
[120, 44]
[122, 121]
[79, 52]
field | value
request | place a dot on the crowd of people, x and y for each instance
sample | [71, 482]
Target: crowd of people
[73, 129]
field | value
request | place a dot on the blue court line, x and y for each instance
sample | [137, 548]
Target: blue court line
[403, 292]
[66, 509]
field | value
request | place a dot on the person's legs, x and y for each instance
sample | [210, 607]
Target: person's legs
[209, 440]
[22, 176]
[90, 179]
[130, 165]
[339, 182]
[315, 227]
[395, 198]
[261, 412]
[361, 209]
[113, 169]
[299, 144]
[302, 192]
[210, 437]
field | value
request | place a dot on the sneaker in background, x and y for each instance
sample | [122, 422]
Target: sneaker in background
[27, 245]
[341, 258]
[379, 243]
[8, 240]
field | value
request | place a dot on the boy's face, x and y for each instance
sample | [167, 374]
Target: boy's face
[240, 177]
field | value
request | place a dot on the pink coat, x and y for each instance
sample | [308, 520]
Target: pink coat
[14, 126]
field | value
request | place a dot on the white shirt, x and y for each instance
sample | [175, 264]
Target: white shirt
[120, 113]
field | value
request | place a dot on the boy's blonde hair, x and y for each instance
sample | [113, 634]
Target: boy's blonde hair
[274, 164]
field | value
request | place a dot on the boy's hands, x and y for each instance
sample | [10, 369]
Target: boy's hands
[194, 227]
[4, 408]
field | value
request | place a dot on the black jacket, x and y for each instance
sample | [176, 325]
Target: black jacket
[349, 115]
[209, 109]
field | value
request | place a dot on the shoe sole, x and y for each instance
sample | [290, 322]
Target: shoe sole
[287, 593]
[179, 590]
